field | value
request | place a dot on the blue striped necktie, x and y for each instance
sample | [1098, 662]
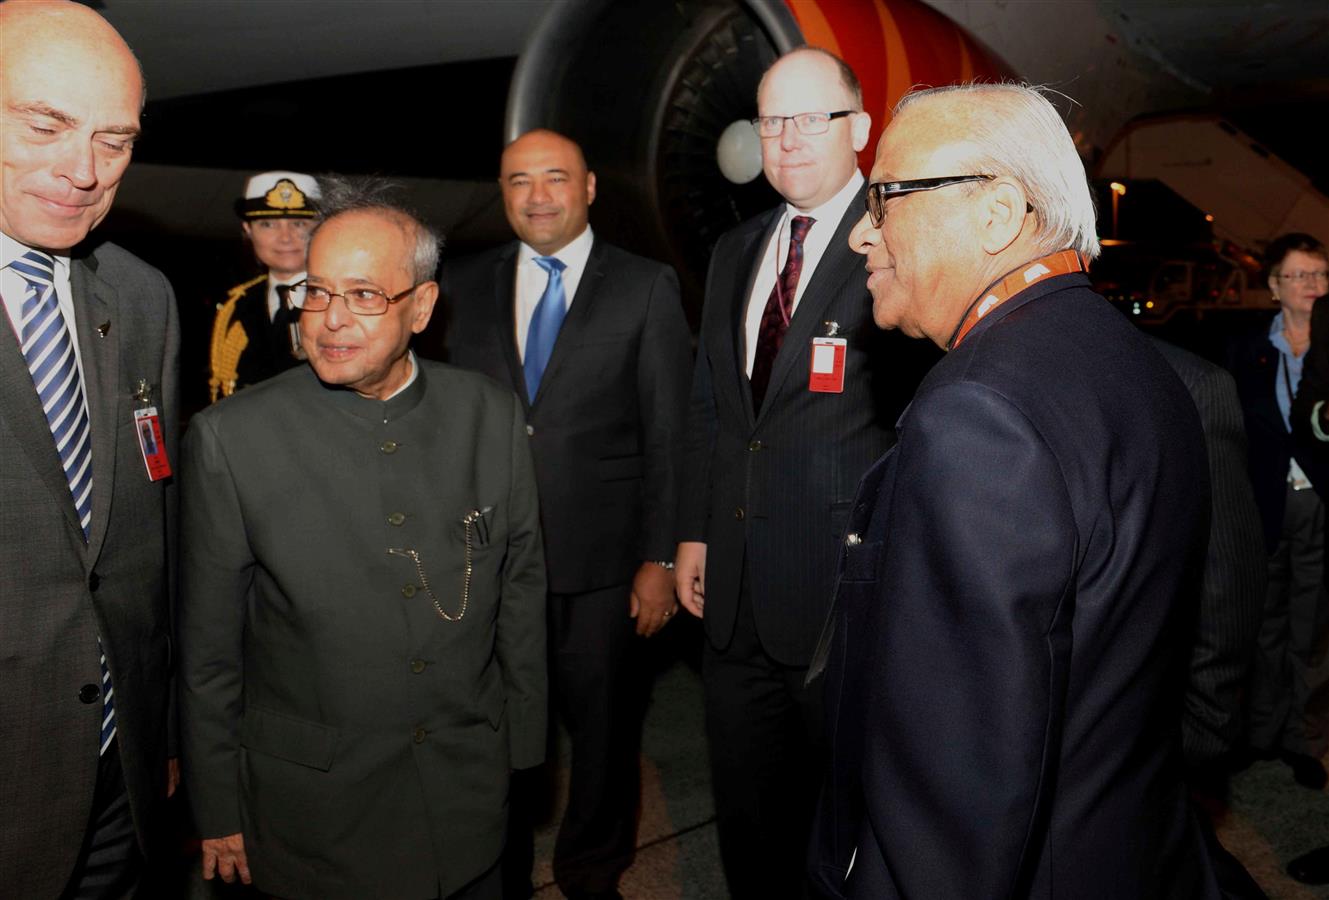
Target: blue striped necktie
[545, 323]
[49, 352]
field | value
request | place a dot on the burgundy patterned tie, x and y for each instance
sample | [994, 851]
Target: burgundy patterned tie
[779, 307]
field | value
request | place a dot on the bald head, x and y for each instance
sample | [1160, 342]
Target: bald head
[70, 96]
[809, 169]
[547, 190]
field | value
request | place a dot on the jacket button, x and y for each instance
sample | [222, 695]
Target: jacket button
[418, 735]
[388, 447]
[755, 446]
[417, 666]
[738, 514]
[89, 693]
[408, 590]
[396, 518]
[94, 581]
[530, 430]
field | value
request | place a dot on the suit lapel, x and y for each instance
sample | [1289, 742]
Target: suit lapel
[505, 318]
[96, 303]
[825, 285]
[20, 407]
[578, 319]
[735, 350]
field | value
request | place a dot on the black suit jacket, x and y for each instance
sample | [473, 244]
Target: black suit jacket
[1313, 454]
[1235, 568]
[606, 425]
[769, 491]
[58, 594]
[1012, 624]
[1254, 363]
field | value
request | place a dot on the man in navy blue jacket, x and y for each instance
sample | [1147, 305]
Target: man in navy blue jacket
[1011, 631]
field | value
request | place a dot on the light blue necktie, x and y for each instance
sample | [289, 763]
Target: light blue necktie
[545, 323]
[49, 352]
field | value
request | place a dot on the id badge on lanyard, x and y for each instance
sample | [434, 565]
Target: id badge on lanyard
[148, 429]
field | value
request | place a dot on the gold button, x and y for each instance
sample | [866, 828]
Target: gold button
[408, 590]
[388, 446]
[396, 518]
[417, 666]
[755, 445]
[418, 735]
[738, 514]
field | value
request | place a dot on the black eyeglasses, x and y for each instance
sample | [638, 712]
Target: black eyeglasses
[807, 123]
[880, 191]
[363, 301]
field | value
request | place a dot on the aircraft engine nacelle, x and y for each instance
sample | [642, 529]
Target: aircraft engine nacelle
[648, 88]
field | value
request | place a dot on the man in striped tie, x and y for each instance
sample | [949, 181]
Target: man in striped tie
[84, 527]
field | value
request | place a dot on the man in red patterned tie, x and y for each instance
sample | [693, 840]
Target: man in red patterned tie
[793, 396]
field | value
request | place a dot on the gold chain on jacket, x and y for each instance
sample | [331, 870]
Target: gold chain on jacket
[469, 521]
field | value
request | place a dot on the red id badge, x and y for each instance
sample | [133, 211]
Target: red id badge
[826, 374]
[148, 427]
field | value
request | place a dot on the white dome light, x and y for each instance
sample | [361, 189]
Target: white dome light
[739, 152]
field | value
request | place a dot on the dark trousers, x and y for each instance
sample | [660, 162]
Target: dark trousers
[597, 696]
[109, 864]
[764, 730]
[1289, 698]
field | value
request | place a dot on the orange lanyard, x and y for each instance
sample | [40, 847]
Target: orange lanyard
[1063, 262]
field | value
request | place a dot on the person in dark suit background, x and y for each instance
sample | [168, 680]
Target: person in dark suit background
[773, 457]
[1232, 591]
[1006, 655]
[594, 342]
[1288, 703]
[255, 334]
[1234, 577]
[86, 538]
[1310, 426]
[362, 635]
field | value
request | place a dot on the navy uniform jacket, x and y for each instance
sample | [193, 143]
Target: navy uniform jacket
[1013, 624]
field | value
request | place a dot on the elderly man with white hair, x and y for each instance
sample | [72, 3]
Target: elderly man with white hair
[1007, 652]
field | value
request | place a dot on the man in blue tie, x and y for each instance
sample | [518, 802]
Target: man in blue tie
[594, 342]
[87, 359]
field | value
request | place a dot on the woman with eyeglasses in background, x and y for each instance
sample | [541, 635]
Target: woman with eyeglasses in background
[1287, 703]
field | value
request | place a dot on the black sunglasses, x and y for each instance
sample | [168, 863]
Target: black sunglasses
[880, 191]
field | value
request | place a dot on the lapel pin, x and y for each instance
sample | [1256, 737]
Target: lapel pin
[832, 328]
[103, 328]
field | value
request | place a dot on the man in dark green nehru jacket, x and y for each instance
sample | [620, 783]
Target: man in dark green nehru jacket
[362, 620]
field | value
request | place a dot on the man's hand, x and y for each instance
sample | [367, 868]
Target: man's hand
[652, 603]
[225, 856]
[690, 576]
[172, 776]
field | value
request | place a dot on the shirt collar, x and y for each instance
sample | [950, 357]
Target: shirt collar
[1276, 336]
[833, 209]
[573, 255]
[11, 249]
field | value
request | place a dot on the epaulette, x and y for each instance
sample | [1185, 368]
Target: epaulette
[228, 342]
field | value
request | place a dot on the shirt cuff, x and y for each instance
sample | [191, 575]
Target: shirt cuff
[1315, 423]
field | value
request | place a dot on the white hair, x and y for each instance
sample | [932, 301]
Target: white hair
[1019, 134]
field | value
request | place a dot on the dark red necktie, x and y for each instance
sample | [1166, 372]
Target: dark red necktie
[779, 307]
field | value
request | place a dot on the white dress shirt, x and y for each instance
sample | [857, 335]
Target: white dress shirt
[14, 289]
[532, 280]
[818, 238]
